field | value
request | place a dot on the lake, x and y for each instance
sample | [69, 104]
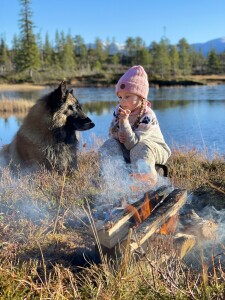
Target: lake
[189, 117]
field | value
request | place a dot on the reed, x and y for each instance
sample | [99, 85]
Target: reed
[21, 87]
[15, 106]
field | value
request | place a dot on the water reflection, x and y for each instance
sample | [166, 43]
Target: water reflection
[189, 117]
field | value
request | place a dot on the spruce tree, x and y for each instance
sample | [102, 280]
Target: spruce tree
[68, 62]
[184, 57]
[47, 52]
[5, 62]
[29, 57]
[174, 59]
[213, 62]
[80, 51]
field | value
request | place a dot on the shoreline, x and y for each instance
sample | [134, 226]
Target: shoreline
[94, 81]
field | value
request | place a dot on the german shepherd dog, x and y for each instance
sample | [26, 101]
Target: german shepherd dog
[49, 135]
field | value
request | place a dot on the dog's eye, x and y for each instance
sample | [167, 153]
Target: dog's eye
[78, 106]
[70, 107]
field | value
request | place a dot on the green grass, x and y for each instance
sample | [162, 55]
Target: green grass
[41, 234]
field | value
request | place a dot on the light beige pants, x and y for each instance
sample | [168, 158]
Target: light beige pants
[141, 157]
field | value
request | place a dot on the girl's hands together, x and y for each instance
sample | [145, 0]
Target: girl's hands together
[123, 114]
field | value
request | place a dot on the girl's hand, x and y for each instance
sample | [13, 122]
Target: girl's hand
[123, 114]
[122, 137]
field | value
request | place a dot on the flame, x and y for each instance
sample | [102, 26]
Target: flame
[145, 211]
[131, 209]
[146, 208]
[170, 226]
[141, 214]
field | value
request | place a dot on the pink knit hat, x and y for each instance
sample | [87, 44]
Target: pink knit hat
[134, 81]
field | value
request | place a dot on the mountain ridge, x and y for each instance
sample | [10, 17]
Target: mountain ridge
[218, 44]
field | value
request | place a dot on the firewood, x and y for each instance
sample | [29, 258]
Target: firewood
[184, 243]
[169, 227]
[171, 205]
[193, 224]
[135, 214]
[115, 230]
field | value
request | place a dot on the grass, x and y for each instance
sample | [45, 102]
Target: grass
[14, 106]
[43, 233]
[86, 77]
[20, 87]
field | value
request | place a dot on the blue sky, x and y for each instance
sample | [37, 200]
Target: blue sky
[195, 20]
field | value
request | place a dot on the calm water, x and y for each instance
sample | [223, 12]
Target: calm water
[189, 116]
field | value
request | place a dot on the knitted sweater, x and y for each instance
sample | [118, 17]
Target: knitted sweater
[147, 131]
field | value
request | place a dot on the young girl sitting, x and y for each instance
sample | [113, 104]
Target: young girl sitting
[135, 134]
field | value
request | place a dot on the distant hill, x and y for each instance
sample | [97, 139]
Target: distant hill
[113, 47]
[217, 44]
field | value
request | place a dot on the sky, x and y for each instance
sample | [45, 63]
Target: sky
[197, 21]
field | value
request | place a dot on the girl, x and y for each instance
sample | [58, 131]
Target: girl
[135, 134]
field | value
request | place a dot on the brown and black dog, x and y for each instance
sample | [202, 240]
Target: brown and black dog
[49, 135]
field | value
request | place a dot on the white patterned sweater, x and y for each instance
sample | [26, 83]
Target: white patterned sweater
[147, 131]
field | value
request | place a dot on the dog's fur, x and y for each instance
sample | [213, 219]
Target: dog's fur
[48, 135]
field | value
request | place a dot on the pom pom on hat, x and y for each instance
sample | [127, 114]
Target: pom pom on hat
[134, 81]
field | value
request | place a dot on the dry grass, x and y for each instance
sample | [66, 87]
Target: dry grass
[15, 106]
[43, 232]
[21, 87]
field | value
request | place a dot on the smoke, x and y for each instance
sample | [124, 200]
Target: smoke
[116, 180]
[3, 162]
[120, 186]
[218, 216]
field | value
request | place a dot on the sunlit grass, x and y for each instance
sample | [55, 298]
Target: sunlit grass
[14, 106]
[43, 226]
[20, 87]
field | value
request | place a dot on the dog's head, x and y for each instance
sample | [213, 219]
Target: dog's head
[67, 111]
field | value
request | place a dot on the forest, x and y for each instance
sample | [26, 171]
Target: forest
[34, 59]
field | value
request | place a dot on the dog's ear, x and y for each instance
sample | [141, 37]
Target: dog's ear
[58, 96]
[63, 88]
[60, 92]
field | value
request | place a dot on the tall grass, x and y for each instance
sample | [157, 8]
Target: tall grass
[20, 87]
[43, 234]
[15, 106]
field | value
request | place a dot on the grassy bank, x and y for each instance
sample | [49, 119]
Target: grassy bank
[20, 87]
[44, 233]
[103, 79]
[15, 106]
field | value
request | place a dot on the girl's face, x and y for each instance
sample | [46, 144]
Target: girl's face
[129, 101]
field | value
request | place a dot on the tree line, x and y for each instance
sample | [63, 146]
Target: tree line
[29, 53]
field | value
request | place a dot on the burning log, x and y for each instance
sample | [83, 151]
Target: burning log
[112, 231]
[162, 205]
[169, 208]
[170, 226]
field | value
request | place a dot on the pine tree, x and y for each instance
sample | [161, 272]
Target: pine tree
[174, 59]
[213, 62]
[5, 62]
[47, 53]
[99, 51]
[68, 58]
[160, 59]
[29, 57]
[130, 48]
[80, 51]
[184, 57]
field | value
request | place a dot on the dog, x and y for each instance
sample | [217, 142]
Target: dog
[49, 133]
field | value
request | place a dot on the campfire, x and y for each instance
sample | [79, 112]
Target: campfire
[156, 213]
